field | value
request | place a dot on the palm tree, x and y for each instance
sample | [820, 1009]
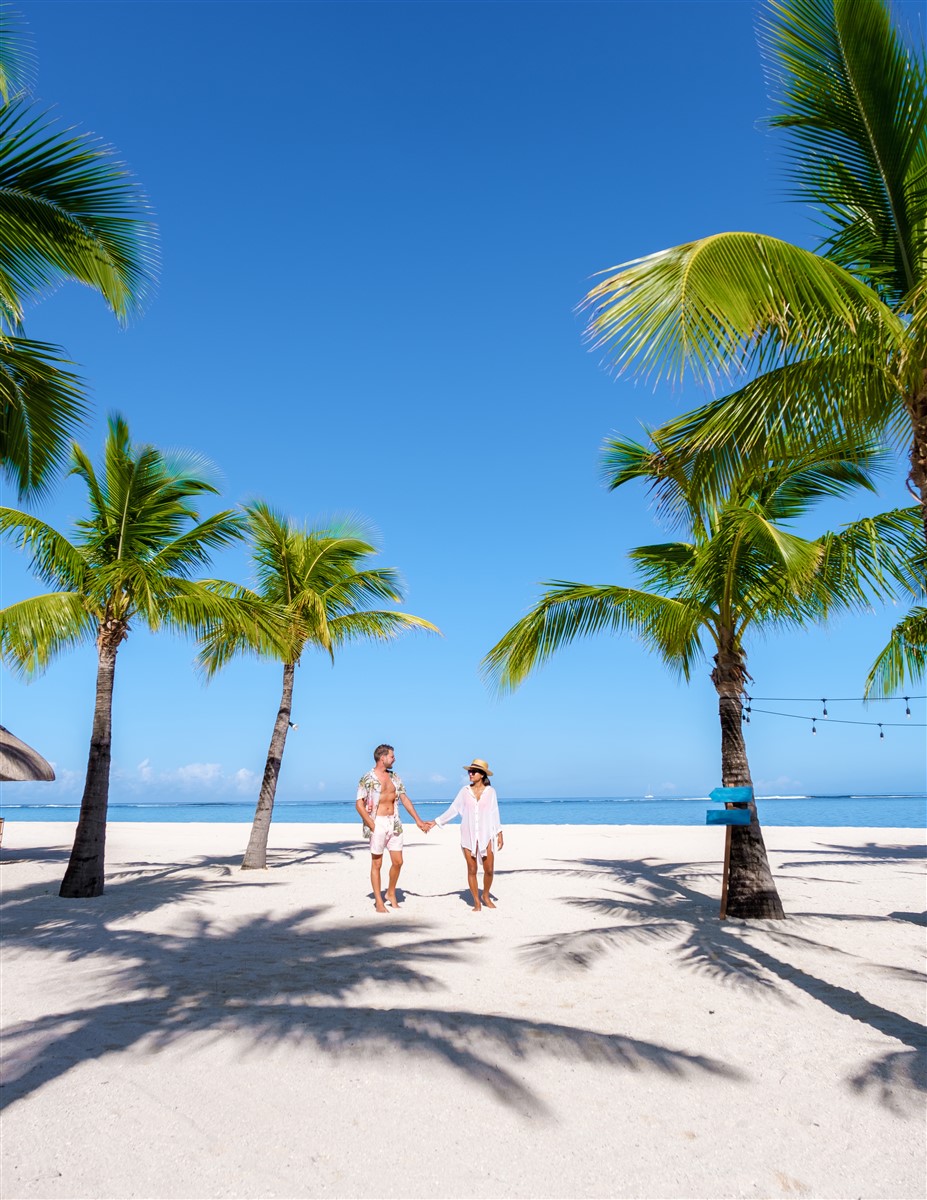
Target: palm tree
[740, 570]
[129, 561]
[828, 341]
[69, 210]
[318, 582]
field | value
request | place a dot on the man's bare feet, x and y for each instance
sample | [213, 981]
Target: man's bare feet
[391, 899]
[476, 907]
[380, 906]
[487, 903]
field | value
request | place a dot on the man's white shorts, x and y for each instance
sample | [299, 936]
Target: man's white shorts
[384, 837]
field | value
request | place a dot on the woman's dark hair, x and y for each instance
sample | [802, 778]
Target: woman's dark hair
[483, 773]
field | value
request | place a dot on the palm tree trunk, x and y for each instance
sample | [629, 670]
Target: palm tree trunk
[84, 876]
[256, 853]
[917, 478]
[751, 888]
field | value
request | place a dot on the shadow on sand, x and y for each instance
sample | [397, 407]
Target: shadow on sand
[737, 952]
[285, 979]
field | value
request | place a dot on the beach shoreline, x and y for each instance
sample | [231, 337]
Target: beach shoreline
[601, 1033]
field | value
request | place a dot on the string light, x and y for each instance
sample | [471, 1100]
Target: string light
[842, 721]
[837, 699]
[747, 709]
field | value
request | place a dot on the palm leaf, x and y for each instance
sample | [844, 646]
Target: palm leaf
[17, 60]
[853, 97]
[904, 660]
[54, 559]
[731, 303]
[381, 626]
[567, 611]
[69, 210]
[36, 630]
[41, 404]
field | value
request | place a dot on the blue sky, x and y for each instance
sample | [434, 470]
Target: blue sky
[376, 220]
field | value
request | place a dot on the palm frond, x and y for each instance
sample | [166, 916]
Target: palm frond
[41, 405]
[903, 660]
[665, 567]
[819, 406]
[69, 210]
[17, 59]
[668, 476]
[567, 611]
[349, 591]
[194, 548]
[729, 304]
[853, 97]
[227, 619]
[54, 559]
[873, 559]
[34, 631]
[381, 626]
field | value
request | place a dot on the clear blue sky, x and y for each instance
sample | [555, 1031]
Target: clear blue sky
[376, 221]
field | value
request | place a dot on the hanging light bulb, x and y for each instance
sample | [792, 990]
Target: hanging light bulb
[824, 702]
[907, 707]
[881, 733]
[814, 728]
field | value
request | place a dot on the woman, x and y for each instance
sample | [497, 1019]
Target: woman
[478, 809]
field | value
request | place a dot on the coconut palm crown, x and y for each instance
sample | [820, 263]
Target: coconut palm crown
[129, 562]
[740, 570]
[805, 343]
[318, 582]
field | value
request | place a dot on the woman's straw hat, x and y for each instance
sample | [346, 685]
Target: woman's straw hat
[479, 764]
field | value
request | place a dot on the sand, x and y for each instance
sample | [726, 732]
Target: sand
[203, 1032]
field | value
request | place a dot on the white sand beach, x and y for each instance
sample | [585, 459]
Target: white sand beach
[203, 1032]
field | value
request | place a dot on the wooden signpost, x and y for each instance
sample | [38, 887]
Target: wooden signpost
[735, 812]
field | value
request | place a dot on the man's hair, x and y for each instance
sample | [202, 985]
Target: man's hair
[382, 751]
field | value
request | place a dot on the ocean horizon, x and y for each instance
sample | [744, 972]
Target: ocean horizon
[895, 810]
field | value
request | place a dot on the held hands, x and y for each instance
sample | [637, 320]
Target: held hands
[426, 826]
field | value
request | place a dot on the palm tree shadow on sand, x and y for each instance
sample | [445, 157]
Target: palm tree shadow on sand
[277, 980]
[673, 911]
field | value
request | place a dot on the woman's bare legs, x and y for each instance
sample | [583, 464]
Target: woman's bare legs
[471, 878]
[489, 862]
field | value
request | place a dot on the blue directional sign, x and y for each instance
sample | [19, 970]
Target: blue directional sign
[738, 795]
[727, 816]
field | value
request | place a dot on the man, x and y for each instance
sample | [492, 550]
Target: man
[377, 793]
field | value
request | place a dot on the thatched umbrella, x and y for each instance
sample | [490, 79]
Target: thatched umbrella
[19, 762]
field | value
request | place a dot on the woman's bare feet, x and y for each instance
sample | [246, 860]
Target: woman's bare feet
[391, 899]
[487, 903]
[380, 906]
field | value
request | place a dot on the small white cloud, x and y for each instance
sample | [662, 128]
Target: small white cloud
[144, 770]
[437, 779]
[321, 785]
[196, 775]
[244, 780]
[69, 781]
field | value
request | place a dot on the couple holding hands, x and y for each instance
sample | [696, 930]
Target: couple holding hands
[476, 805]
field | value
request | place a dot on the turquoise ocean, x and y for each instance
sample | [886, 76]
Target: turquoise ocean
[899, 811]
